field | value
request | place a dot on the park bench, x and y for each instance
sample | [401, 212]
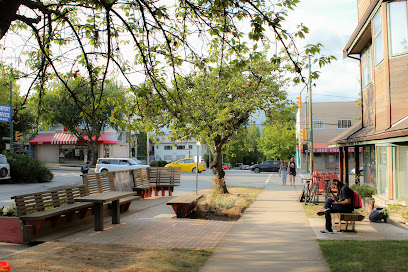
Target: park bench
[142, 184]
[346, 221]
[34, 209]
[184, 205]
[104, 182]
[164, 178]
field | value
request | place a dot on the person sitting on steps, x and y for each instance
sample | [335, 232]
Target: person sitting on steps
[340, 202]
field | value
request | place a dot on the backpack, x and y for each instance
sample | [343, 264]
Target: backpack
[357, 203]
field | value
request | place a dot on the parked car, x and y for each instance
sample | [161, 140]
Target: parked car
[266, 166]
[4, 168]
[226, 166]
[187, 164]
[353, 171]
[245, 167]
[117, 164]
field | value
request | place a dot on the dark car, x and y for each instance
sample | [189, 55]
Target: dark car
[266, 166]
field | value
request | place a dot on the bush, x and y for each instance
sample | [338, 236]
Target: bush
[158, 163]
[24, 169]
[364, 190]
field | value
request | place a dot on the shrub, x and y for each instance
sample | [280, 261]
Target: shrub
[8, 210]
[364, 190]
[24, 169]
[158, 163]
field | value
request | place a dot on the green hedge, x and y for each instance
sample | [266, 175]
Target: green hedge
[158, 163]
[24, 169]
[364, 190]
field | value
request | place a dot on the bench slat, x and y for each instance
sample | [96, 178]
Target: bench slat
[184, 200]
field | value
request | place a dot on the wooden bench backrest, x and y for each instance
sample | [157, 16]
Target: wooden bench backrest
[141, 177]
[40, 201]
[99, 182]
[164, 175]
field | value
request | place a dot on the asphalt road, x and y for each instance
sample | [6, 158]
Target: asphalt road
[71, 176]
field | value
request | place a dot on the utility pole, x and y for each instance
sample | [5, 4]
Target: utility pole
[148, 147]
[11, 118]
[310, 118]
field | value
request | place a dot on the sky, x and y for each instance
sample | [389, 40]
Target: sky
[330, 23]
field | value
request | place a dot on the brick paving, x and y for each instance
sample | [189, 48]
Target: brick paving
[157, 226]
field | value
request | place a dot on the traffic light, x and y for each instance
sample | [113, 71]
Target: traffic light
[16, 135]
[299, 101]
[303, 133]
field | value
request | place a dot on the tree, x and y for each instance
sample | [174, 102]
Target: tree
[278, 141]
[86, 115]
[212, 105]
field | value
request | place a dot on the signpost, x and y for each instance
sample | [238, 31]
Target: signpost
[5, 113]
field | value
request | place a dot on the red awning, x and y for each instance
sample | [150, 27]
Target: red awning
[105, 139]
[41, 139]
[64, 138]
[323, 148]
[69, 139]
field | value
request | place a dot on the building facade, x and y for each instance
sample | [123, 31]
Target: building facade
[379, 43]
[329, 120]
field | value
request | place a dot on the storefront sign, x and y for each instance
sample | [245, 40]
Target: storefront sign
[68, 146]
[5, 113]
[333, 150]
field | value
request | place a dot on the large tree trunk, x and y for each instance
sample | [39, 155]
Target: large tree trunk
[8, 10]
[94, 152]
[216, 168]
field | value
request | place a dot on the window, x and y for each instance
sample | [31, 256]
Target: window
[346, 123]
[179, 157]
[402, 172]
[378, 42]
[382, 171]
[190, 147]
[167, 157]
[181, 147]
[167, 147]
[318, 124]
[366, 68]
[398, 26]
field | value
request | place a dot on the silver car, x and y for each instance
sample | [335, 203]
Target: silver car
[117, 164]
[4, 168]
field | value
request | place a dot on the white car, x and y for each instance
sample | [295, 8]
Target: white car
[117, 164]
[4, 168]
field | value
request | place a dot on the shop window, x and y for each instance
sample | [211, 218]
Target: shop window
[382, 171]
[378, 40]
[369, 165]
[398, 26]
[401, 190]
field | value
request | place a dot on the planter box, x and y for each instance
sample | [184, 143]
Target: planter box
[10, 230]
[368, 204]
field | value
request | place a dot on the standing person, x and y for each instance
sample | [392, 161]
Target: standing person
[85, 168]
[292, 171]
[340, 202]
[283, 171]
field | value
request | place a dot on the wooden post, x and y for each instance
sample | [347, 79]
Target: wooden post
[346, 166]
[357, 164]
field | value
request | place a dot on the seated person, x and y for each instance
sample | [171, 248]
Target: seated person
[340, 202]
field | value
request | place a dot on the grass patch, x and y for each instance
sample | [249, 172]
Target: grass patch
[87, 257]
[373, 256]
[230, 206]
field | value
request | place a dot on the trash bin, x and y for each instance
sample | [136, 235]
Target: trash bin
[4, 266]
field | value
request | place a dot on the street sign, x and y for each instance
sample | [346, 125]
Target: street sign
[5, 138]
[5, 113]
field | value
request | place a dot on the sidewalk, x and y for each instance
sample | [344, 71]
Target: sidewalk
[273, 235]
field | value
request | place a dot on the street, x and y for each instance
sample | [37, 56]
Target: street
[71, 176]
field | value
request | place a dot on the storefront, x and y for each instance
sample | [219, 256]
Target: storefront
[65, 147]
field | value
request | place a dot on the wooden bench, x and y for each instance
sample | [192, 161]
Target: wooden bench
[34, 208]
[184, 205]
[346, 221]
[164, 178]
[104, 182]
[142, 184]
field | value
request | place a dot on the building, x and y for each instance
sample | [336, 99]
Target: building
[329, 120]
[379, 43]
[60, 146]
[168, 150]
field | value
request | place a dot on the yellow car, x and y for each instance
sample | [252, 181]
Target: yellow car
[187, 164]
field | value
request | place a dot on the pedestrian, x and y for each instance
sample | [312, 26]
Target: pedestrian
[85, 168]
[283, 172]
[341, 201]
[292, 171]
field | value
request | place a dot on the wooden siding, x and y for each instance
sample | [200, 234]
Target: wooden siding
[381, 98]
[362, 6]
[399, 88]
[368, 106]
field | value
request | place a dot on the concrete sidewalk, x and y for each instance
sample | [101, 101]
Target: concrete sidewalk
[273, 235]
